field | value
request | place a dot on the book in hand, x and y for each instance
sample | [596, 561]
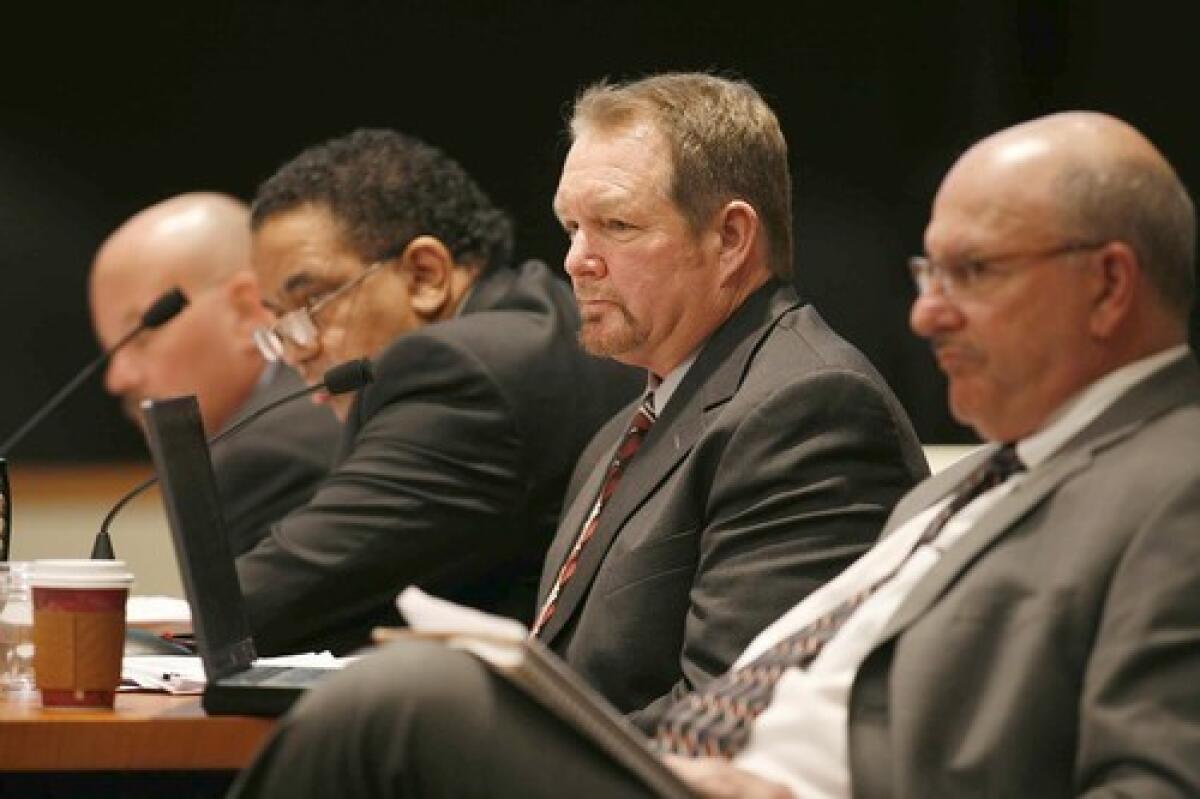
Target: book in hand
[505, 647]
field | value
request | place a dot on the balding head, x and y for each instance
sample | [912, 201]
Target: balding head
[1100, 180]
[199, 242]
[195, 240]
[1060, 250]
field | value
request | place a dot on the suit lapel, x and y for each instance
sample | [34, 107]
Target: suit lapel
[708, 386]
[934, 489]
[990, 527]
[573, 517]
[1175, 385]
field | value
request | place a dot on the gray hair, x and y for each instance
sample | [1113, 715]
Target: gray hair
[1145, 205]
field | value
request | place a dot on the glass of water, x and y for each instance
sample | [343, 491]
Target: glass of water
[16, 628]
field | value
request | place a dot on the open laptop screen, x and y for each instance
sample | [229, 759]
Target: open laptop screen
[189, 491]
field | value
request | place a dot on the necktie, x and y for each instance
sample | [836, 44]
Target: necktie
[716, 721]
[630, 443]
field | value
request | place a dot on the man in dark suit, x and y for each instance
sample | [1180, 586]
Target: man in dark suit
[777, 451]
[1030, 623]
[455, 459]
[200, 242]
[767, 452]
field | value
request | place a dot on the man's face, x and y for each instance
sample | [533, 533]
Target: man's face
[645, 282]
[1015, 347]
[191, 354]
[299, 258]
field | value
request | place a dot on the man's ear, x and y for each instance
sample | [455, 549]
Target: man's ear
[242, 298]
[736, 225]
[427, 265]
[1117, 279]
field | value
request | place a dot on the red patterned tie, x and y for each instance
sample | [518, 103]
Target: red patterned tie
[642, 420]
[716, 721]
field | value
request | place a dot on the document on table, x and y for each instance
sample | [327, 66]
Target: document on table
[184, 674]
[161, 615]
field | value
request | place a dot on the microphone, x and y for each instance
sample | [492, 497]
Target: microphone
[340, 379]
[158, 314]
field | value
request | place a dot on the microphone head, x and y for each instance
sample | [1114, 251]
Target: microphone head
[348, 376]
[164, 308]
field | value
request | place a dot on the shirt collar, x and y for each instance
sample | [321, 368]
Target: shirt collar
[270, 368]
[466, 297]
[1082, 409]
[662, 389]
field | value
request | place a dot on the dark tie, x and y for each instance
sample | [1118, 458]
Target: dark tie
[715, 721]
[630, 443]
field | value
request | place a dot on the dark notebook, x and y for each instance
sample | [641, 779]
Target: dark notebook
[235, 686]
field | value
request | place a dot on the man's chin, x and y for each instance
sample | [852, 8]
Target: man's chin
[132, 409]
[969, 410]
[608, 343]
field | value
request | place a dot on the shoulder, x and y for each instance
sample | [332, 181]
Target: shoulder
[803, 340]
[1155, 461]
[296, 429]
[803, 358]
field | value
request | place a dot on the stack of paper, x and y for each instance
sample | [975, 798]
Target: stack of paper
[184, 674]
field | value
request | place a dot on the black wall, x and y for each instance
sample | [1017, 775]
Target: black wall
[104, 111]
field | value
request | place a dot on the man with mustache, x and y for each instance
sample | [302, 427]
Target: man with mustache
[455, 459]
[775, 451]
[1029, 625]
[765, 453]
[200, 242]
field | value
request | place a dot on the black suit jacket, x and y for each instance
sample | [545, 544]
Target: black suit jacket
[773, 466]
[455, 463]
[273, 465]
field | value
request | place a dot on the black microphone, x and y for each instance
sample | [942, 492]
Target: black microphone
[340, 379]
[159, 313]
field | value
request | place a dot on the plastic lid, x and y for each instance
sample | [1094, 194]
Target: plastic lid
[80, 573]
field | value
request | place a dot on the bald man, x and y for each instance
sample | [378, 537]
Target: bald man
[1029, 625]
[201, 243]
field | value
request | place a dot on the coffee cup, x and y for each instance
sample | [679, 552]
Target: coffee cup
[78, 630]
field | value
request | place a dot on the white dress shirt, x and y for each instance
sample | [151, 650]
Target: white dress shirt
[801, 739]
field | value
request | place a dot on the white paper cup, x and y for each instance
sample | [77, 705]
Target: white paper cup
[78, 630]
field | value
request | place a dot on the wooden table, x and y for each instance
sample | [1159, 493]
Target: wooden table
[145, 732]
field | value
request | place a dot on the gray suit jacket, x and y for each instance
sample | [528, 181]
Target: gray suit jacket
[1055, 650]
[773, 466]
[452, 474]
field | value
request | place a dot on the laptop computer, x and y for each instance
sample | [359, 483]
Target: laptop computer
[235, 685]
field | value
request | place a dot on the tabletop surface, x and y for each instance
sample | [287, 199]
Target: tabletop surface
[145, 731]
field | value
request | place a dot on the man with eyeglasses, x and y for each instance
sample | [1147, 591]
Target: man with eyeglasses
[455, 460]
[1029, 624]
[200, 242]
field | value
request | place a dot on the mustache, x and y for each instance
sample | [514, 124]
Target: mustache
[959, 350]
[596, 296]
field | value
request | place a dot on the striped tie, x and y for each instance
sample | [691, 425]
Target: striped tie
[716, 721]
[642, 420]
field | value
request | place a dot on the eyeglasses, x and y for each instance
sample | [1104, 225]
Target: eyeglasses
[971, 278]
[298, 328]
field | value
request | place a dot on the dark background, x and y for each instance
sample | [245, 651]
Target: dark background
[104, 111]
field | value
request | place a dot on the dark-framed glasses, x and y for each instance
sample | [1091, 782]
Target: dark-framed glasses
[298, 328]
[973, 276]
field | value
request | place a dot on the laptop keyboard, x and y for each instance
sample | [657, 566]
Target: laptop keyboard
[277, 676]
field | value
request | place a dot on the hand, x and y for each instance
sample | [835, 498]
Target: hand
[714, 778]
